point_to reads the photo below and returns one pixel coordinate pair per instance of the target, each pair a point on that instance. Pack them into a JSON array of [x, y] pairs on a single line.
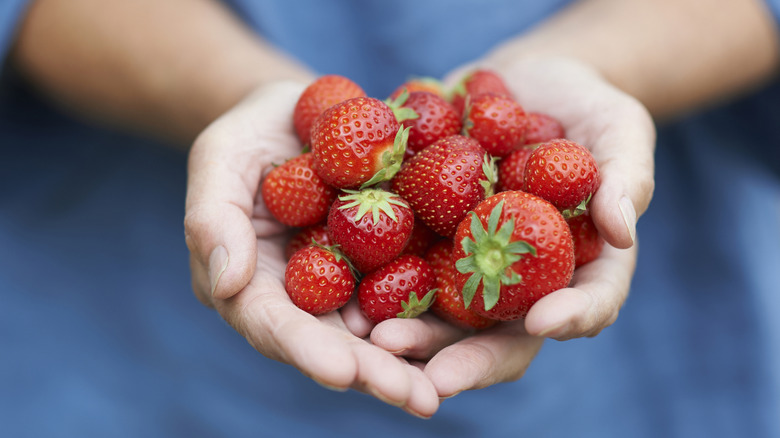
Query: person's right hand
[[237, 258]]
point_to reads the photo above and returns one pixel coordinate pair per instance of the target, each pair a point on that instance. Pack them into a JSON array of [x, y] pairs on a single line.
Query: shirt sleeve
[[11, 12]]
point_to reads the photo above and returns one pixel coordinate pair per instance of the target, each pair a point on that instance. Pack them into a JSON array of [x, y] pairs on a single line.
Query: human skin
[[603, 67]]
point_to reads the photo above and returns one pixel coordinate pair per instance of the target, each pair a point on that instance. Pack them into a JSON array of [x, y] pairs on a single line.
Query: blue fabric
[[10, 13], [774, 8], [100, 334]]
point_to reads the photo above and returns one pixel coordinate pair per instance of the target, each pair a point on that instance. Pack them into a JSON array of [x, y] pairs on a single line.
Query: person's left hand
[[621, 135]]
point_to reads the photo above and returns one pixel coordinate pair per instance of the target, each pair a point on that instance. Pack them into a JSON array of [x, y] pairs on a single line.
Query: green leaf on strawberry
[[397, 105], [391, 160], [416, 307], [489, 256], [490, 168], [373, 200]]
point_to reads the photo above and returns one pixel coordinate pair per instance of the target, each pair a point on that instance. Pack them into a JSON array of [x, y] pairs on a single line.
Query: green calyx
[[376, 201], [391, 160], [415, 307], [489, 257], [490, 169], [578, 210], [399, 111]]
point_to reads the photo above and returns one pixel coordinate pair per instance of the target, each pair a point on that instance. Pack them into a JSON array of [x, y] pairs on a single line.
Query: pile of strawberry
[[459, 201]]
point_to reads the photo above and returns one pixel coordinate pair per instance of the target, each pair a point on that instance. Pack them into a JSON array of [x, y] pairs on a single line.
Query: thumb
[[222, 244], [625, 156], [223, 214]]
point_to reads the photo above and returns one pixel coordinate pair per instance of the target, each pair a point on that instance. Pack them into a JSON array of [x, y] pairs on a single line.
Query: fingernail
[[555, 331], [373, 391], [418, 415], [331, 387], [629, 216], [449, 396], [218, 261]]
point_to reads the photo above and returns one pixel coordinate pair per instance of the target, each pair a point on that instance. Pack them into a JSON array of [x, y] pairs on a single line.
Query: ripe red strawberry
[[316, 233], [445, 180], [403, 288], [318, 280], [542, 127], [497, 122], [370, 240], [295, 195], [564, 173], [422, 239], [320, 95], [512, 250], [449, 301], [512, 168], [588, 243], [357, 143], [430, 85], [436, 119], [476, 83]]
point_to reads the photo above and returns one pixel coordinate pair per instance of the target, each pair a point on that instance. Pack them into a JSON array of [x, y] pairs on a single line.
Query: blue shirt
[[100, 334]]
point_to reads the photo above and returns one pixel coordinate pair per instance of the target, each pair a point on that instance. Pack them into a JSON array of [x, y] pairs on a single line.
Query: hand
[[238, 264], [621, 136]]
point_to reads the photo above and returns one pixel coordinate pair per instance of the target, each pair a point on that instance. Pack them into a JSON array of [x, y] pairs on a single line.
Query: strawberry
[[588, 243], [403, 288], [370, 240], [564, 173], [478, 82], [435, 119], [319, 280], [430, 85], [445, 180], [512, 168], [320, 95], [422, 238], [449, 301], [497, 122], [295, 195], [512, 250], [357, 143], [542, 127], [317, 233]]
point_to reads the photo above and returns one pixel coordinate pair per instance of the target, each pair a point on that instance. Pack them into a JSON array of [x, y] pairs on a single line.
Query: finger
[[281, 331], [320, 347], [500, 355], [199, 281], [225, 166], [598, 291], [381, 374], [624, 152], [354, 320], [416, 338], [423, 400]]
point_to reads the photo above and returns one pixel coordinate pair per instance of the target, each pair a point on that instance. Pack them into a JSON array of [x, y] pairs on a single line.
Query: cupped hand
[[238, 264], [621, 135]]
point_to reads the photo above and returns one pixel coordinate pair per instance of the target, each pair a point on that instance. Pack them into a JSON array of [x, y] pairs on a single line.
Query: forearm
[[673, 55], [166, 67]]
